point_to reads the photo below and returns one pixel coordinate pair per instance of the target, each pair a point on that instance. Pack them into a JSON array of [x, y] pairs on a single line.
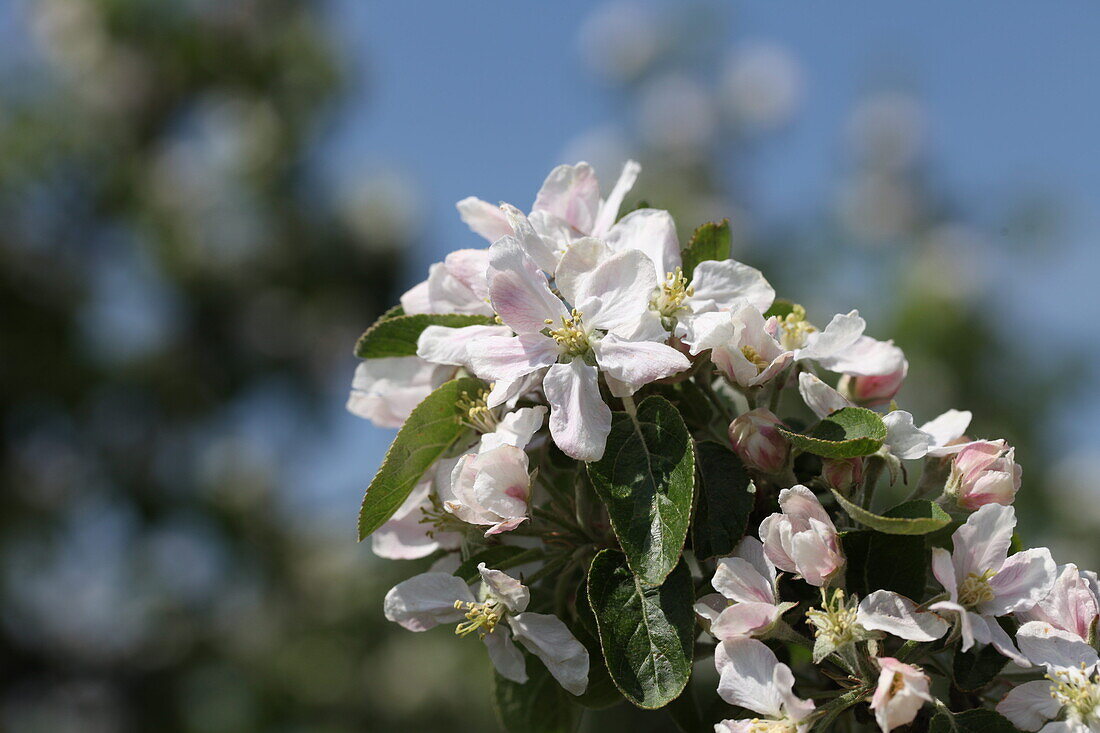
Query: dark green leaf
[[919, 516], [709, 242], [724, 501], [780, 309], [601, 692], [970, 721], [847, 433], [888, 562], [974, 669], [537, 706], [397, 335], [434, 425], [497, 557], [646, 632], [645, 479]]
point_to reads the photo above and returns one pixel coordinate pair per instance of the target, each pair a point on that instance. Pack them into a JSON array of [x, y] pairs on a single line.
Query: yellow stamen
[[571, 336], [674, 290], [476, 411], [481, 617], [975, 589], [1077, 692], [754, 356], [794, 328]]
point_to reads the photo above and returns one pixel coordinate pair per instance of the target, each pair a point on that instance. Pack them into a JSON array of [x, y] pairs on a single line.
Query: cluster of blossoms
[[590, 429]]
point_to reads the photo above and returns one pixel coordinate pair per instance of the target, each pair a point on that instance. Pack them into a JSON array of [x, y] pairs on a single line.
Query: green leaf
[[646, 632], [397, 335], [497, 557], [646, 479], [537, 706], [974, 669], [970, 721], [709, 242], [849, 432], [434, 425], [919, 516], [882, 561], [780, 309], [601, 692], [724, 501]]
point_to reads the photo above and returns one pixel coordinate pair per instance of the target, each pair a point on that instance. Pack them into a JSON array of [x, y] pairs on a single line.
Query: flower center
[[1077, 692], [758, 725], [794, 328], [835, 620], [674, 290], [975, 589], [571, 335], [481, 617], [755, 358], [475, 411]]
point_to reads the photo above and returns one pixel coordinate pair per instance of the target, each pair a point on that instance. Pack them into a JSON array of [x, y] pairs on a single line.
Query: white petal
[[579, 418], [506, 589], [385, 391], [903, 438], [651, 231], [838, 336], [1029, 705], [542, 252], [442, 345], [867, 357], [822, 399], [948, 427], [470, 267], [609, 209], [718, 285], [744, 619], [708, 607], [616, 293], [549, 639], [483, 218], [752, 550], [415, 300], [637, 363], [426, 600], [982, 543], [404, 536], [506, 359], [572, 193], [578, 260], [738, 580], [1002, 642], [1044, 644], [506, 657], [944, 570], [503, 485], [458, 496], [518, 290], [448, 294], [895, 614], [1022, 581], [516, 428], [746, 668]]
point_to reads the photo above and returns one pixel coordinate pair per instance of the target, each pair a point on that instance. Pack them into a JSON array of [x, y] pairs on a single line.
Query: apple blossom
[[497, 613], [802, 539], [749, 604], [844, 620], [901, 692], [750, 676], [410, 533], [1071, 605], [984, 472], [984, 582], [385, 391], [873, 371], [740, 345], [842, 473], [756, 440]]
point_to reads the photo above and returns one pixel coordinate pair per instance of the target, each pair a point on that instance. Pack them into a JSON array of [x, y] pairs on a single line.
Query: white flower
[[751, 677], [984, 582], [841, 622], [1071, 605], [456, 285], [740, 344], [749, 603], [901, 692], [385, 391], [496, 613], [410, 534], [802, 539], [609, 293]]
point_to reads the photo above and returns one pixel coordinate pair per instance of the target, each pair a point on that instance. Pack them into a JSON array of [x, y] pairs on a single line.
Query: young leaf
[[919, 516], [646, 632], [432, 427], [645, 479], [970, 721], [849, 432], [709, 242], [397, 335], [724, 501], [888, 562], [537, 706]]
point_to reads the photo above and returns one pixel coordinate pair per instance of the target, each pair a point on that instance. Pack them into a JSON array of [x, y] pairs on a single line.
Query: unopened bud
[[875, 390], [757, 441], [842, 473], [984, 472]]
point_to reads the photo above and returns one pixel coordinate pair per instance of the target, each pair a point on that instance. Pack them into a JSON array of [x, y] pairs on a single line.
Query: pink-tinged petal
[[542, 252], [895, 614], [736, 726], [502, 485], [579, 260], [1002, 642], [385, 391], [796, 709], [457, 495], [637, 363], [867, 357], [518, 290], [1070, 605], [982, 543], [579, 419], [709, 607], [609, 209], [506, 526], [1044, 644], [448, 294], [1029, 705], [505, 655], [469, 267], [504, 588], [416, 300], [549, 639], [751, 550], [509, 392], [571, 193], [404, 536], [744, 619], [615, 295], [719, 285], [556, 233], [426, 600], [738, 580], [838, 336], [947, 428], [822, 399], [1022, 581], [799, 502], [944, 570], [506, 359], [775, 531], [747, 676], [903, 438], [442, 345], [815, 553], [483, 218], [651, 231], [515, 428]]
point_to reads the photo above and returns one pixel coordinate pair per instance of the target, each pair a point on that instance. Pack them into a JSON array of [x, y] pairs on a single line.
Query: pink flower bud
[[842, 473], [984, 472], [874, 390], [901, 692], [801, 538], [758, 443]]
